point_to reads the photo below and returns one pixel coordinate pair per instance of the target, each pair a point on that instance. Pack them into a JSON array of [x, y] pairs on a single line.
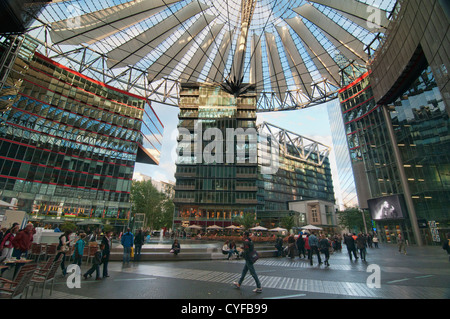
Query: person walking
[[375, 241], [22, 241], [301, 246], [138, 243], [401, 244], [62, 248], [307, 247], [351, 246], [279, 246], [6, 245], [127, 241], [107, 242], [361, 245], [291, 247], [324, 246], [79, 249], [98, 258], [248, 249], [314, 248]]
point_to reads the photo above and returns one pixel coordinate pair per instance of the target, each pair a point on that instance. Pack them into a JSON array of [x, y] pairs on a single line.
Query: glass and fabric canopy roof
[[291, 51]]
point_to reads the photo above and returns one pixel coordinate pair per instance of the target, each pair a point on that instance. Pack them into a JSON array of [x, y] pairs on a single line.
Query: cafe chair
[[18, 290], [46, 266], [37, 250], [91, 253], [44, 277], [6, 283], [51, 250]]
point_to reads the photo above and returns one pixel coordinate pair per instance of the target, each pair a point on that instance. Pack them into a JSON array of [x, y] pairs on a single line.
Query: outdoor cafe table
[[16, 262]]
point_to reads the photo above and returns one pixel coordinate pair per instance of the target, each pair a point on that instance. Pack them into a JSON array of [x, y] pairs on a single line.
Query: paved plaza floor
[[423, 273]]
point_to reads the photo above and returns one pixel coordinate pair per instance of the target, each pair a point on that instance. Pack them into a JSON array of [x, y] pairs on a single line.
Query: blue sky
[[311, 122]]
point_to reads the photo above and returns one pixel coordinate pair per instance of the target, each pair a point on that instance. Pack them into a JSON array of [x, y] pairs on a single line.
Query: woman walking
[[324, 247], [248, 249]]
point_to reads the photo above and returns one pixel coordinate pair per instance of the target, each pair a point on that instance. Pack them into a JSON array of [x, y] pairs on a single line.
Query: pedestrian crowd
[[309, 244]]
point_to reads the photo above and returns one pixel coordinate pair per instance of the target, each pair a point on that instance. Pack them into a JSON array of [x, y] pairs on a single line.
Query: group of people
[[15, 242], [306, 245], [79, 241], [229, 248]]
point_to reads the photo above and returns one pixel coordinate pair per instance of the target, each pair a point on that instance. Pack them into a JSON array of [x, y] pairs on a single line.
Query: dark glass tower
[[68, 143], [215, 184]]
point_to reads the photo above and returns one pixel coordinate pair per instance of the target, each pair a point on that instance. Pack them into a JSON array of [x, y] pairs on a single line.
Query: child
[[98, 259], [79, 249]]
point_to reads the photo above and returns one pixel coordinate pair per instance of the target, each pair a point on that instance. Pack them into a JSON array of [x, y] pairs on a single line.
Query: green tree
[[68, 226], [156, 206], [248, 220], [288, 222], [352, 218]]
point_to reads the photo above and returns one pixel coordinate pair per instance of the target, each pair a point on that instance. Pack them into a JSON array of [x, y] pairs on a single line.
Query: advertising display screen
[[388, 207]]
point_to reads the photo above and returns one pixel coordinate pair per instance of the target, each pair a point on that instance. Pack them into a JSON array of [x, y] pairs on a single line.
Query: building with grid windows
[[302, 176], [287, 167], [214, 192], [69, 143], [397, 126]]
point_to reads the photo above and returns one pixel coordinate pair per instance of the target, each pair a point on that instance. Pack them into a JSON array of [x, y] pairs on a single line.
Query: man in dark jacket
[[351, 247], [127, 242], [314, 248], [98, 258], [248, 249], [301, 246], [22, 241], [361, 245], [107, 242]]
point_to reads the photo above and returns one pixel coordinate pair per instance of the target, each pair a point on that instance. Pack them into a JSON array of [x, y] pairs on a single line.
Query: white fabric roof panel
[[166, 62], [196, 64], [256, 65], [216, 72], [300, 73], [138, 47], [358, 12], [95, 26], [322, 59], [277, 77], [133, 43], [333, 29]]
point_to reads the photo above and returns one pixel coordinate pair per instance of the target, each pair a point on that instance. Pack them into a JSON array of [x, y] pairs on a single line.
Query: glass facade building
[[302, 173], [346, 194], [214, 191], [398, 130], [234, 181], [68, 143]]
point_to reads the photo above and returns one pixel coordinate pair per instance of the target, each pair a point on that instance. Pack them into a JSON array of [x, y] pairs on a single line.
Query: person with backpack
[[138, 243], [249, 250], [127, 242], [324, 247], [98, 259], [79, 250]]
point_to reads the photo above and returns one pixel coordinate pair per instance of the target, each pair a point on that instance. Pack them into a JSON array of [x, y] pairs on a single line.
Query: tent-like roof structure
[[292, 51]]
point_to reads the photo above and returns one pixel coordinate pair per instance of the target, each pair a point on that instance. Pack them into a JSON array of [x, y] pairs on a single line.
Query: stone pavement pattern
[[424, 273]]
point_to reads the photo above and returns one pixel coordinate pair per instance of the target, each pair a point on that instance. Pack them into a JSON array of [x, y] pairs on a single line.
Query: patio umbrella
[[214, 227], [258, 228], [195, 227], [311, 227], [233, 227], [5, 204], [278, 229], [87, 222]]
